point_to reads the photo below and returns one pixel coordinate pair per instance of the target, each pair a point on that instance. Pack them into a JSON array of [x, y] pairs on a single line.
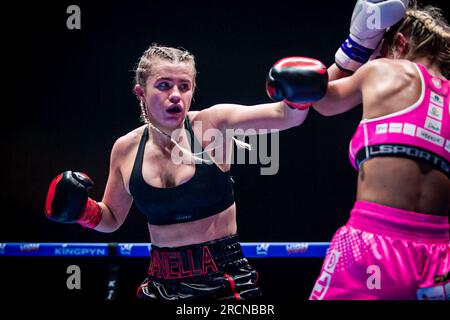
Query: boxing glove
[[68, 202], [370, 19], [298, 81]]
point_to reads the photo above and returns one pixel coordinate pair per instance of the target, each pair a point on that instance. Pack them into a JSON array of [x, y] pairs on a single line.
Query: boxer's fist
[[298, 81], [68, 202], [370, 19]]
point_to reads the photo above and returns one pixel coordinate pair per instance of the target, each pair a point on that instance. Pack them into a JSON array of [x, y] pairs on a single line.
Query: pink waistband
[[388, 221]]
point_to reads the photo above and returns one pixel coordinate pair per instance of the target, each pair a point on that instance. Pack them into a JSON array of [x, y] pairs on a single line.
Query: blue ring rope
[[139, 250]]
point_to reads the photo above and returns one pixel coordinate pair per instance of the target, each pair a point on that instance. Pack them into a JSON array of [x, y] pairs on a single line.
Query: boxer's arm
[[116, 202], [335, 73], [269, 116], [68, 198], [346, 93], [343, 95], [294, 82]]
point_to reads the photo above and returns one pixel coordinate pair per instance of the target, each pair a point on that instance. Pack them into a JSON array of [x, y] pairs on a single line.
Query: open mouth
[[174, 109]]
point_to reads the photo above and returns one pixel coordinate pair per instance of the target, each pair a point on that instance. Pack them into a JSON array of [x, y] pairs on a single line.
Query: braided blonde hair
[[429, 35], [144, 70], [150, 57]]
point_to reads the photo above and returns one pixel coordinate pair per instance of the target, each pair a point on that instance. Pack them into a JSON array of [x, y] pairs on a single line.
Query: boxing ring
[[115, 252]]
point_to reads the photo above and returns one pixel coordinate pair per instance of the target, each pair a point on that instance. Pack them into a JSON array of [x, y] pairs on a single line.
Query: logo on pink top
[[437, 83], [437, 99], [435, 112], [433, 125]]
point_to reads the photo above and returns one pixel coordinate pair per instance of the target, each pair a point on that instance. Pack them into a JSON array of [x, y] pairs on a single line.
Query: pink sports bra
[[420, 131]]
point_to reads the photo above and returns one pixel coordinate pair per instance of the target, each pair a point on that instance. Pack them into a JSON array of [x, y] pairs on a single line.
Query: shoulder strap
[[137, 167], [193, 142]]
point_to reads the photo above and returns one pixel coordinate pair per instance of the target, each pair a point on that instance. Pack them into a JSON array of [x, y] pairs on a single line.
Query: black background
[[69, 97]]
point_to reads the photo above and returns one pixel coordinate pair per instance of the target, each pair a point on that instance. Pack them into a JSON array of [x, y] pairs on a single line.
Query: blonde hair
[[150, 57], [144, 69], [429, 34]]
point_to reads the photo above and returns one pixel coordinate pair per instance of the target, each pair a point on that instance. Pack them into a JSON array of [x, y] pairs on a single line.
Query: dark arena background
[[69, 97]]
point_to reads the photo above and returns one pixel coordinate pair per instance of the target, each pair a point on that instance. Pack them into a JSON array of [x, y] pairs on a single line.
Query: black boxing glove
[[298, 81], [68, 202]]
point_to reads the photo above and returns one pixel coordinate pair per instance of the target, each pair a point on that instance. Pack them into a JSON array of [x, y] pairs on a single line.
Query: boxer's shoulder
[[125, 144]]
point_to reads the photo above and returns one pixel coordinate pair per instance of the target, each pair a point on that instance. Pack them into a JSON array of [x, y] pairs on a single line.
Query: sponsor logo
[[64, 251], [381, 128], [436, 82], [409, 129], [183, 217], [297, 247], [411, 152], [29, 247], [437, 99], [126, 249], [434, 111], [433, 125], [321, 286], [323, 282], [332, 261], [395, 127], [262, 249], [430, 137]]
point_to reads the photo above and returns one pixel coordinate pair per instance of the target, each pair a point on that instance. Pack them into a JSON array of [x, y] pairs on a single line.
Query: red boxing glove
[[68, 202], [298, 81]]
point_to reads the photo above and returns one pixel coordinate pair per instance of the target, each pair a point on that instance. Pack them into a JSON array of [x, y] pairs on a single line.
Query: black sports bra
[[208, 192]]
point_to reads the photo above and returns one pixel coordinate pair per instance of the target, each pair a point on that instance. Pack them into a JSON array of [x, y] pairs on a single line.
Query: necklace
[[160, 131], [191, 154]]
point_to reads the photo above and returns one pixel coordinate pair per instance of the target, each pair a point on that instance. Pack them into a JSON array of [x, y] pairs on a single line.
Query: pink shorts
[[387, 253]]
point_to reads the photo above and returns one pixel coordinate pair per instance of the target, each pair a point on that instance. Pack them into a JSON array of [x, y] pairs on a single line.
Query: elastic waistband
[[195, 260], [388, 221]]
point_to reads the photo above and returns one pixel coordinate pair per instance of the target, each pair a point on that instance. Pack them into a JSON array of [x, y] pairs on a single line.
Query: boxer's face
[[168, 93]]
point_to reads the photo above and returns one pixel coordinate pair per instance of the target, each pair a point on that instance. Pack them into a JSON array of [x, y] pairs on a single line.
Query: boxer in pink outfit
[[395, 244]]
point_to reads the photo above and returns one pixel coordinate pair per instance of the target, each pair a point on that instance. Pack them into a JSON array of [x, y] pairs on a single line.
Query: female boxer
[[395, 244], [168, 168]]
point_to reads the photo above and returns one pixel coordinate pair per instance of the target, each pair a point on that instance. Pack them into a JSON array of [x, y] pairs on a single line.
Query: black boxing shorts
[[214, 270]]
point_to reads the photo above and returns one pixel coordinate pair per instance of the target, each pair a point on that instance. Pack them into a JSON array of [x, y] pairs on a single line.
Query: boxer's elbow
[[325, 108], [300, 117], [332, 104], [324, 111]]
